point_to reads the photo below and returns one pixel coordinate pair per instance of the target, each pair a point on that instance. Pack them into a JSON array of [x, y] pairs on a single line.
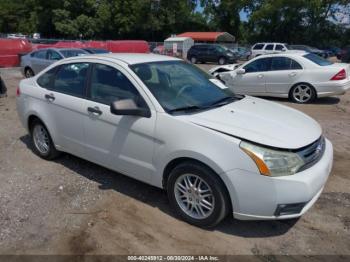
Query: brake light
[[18, 92], [341, 75]]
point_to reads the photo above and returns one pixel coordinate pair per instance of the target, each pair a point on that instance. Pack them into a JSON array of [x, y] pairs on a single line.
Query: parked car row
[[270, 48], [38, 60], [300, 76], [167, 123], [345, 55]]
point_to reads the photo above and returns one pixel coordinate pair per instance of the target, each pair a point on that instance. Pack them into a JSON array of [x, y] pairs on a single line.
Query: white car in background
[[167, 123], [267, 48], [302, 77]]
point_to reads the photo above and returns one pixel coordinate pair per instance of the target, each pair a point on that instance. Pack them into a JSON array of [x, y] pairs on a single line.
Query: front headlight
[[273, 162]]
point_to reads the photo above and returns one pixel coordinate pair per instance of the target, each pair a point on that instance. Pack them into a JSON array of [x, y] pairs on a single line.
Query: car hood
[[260, 121]]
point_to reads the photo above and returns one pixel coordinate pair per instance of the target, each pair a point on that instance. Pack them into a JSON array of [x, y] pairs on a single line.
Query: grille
[[311, 154]]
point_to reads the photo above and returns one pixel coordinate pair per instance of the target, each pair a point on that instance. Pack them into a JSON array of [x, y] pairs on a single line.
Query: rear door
[[283, 74], [253, 81], [122, 143], [66, 100], [39, 61]]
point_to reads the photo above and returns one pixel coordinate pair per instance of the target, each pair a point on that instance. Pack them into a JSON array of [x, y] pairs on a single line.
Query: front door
[[122, 143]]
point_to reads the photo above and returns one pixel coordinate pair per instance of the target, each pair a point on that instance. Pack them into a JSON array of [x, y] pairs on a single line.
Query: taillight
[[18, 92], [341, 75]]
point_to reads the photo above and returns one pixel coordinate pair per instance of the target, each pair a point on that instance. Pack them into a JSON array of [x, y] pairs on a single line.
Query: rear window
[[279, 47], [317, 60], [258, 47]]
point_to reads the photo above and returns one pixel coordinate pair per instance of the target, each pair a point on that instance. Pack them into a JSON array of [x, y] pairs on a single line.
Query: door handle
[[94, 110], [293, 74], [50, 97], [260, 76]]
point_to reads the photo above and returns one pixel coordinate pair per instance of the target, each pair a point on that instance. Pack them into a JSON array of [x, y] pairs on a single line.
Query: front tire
[[42, 142], [222, 61], [197, 194], [302, 93]]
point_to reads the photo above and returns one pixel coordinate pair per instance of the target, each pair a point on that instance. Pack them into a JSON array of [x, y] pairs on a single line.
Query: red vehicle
[[128, 46], [10, 49]]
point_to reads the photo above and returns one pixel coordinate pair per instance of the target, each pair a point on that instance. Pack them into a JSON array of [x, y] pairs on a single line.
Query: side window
[[70, 79], [269, 47], [279, 47], [280, 63], [259, 65], [40, 54], [258, 46], [45, 80], [284, 63], [109, 84], [203, 49], [295, 65], [53, 55]]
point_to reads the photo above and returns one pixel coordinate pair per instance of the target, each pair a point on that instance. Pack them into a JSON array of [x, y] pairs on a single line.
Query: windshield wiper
[[223, 101], [186, 108]]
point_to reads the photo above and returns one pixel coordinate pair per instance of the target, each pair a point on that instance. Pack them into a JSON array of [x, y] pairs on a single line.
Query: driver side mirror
[[240, 71], [284, 49], [129, 107]]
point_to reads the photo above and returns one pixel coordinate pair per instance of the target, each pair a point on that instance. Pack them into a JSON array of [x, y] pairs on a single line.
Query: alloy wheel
[[302, 93], [194, 196], [41, 139], [222, 61]]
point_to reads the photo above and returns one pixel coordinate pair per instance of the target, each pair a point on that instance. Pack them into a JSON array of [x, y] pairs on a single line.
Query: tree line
[[313, 22]]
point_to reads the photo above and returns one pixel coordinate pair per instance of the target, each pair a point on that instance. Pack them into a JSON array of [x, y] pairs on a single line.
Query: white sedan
[[299, 76], [167, 123]]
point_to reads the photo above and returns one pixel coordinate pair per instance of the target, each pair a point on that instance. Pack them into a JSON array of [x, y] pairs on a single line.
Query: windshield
[[179, 86], [221, 48], [318, 60], [99, 51]]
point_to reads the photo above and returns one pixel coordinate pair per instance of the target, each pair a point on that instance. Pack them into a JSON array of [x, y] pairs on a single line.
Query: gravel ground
[[71, 206]]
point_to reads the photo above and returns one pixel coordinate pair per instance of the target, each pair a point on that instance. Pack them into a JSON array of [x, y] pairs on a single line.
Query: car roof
[[130, 58], [271, 43], [288, 53], [57, 49]]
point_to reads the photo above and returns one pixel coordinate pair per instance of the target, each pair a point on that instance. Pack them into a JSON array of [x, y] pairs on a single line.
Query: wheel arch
[[177, 161], [31, 118], [28, 67]]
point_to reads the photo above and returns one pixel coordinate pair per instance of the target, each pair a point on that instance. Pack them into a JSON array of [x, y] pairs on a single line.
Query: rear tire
[[28, 72], [302, 93], [197, 194], [42, 142]]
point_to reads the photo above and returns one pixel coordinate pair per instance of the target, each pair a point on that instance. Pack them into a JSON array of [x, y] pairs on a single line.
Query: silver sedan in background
[[38, 60]]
